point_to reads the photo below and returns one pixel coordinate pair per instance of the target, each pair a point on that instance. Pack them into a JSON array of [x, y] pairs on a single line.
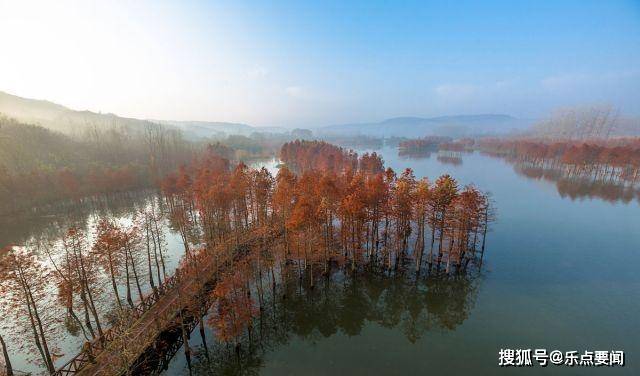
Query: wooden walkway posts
[[155, 312]]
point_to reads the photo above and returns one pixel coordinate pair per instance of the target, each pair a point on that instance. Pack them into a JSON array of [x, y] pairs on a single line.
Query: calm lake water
[[560, 272], [48, 228]]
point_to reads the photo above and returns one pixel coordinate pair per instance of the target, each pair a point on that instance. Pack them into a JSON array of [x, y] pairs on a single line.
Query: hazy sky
[[299, 64]]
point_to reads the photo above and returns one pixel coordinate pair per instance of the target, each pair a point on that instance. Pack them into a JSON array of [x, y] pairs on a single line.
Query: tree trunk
[[43, 339], [151, 282], [75, 317], [36, 338], [135, 275], [484, 237], [94, 310], [7, 361], [159, 241], [85, 306], [128, 278], [155, 258], [114, 285], [85, 281]]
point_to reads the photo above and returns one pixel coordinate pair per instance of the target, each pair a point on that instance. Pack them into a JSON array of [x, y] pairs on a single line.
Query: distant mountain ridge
[[213, 128], [454, 125], [72, 122], [60, 118]]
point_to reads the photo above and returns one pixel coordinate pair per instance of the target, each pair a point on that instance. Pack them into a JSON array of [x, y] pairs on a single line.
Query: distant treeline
[[254, 146], [40, 167], [301, 155], [356, 142], [579, 188], [429, 143], [615, 159], [446, 146]]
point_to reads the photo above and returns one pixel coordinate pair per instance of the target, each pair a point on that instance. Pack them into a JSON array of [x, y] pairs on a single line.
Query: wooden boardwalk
[[122, 344]]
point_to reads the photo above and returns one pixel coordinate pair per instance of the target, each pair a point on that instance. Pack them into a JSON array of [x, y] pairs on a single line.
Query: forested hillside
[[80, 124], [62, 119], [39, 166]]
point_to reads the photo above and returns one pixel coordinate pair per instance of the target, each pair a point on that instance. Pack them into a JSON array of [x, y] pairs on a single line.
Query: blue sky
[[307, 64]]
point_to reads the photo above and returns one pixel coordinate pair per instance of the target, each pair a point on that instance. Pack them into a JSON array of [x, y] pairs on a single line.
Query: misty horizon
[[300, 66]]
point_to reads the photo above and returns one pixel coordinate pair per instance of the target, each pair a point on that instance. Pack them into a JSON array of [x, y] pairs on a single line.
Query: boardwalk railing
[[91, 349], [200, 259]]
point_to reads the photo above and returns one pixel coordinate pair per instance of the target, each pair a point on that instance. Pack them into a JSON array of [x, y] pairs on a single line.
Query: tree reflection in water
[[52, 222], [581, 187], [422, 154], [341, 304]]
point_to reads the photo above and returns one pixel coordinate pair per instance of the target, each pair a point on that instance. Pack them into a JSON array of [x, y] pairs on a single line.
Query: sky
[[292, 63]]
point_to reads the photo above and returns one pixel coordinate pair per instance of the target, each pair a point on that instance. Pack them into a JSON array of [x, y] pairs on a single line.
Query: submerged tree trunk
[[85, 306], [94, 311], [36, 337], [114, 285], [40, 331], [128, 279], [159, 242], [7, 361], [151, 281], [441, 241], [203, 336], [85, 282], [75, 318], [135, 274], [433, 239], [484, 237], [45, 345], [36, 323]]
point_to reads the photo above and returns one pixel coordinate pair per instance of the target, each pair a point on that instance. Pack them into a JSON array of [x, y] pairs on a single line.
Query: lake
[[560, 272]]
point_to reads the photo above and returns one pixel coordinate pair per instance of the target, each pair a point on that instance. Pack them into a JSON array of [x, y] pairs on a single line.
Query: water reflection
[[43, 232], [443, 156], [50, 224], [572, 187], [580, 187], [423, 154], [449, 159], [341, 305]]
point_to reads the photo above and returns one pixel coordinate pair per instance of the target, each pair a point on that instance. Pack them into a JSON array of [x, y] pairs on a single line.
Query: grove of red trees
[[325, 207], [614, 160], [337, 208], [421, 146], [78, 282], [336, 205], [40, 167]]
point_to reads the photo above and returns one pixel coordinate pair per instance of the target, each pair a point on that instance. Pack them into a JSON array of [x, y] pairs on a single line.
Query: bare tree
[[579, 123]]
